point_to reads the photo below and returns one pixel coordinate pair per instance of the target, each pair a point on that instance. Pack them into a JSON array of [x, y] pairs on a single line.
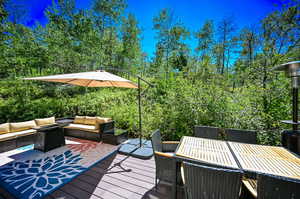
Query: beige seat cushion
[[23, 133], [21, 126], [4, 128], [90, 120], [84, 127], [101, 120], [45, 121], [79, 120], [9, 136]]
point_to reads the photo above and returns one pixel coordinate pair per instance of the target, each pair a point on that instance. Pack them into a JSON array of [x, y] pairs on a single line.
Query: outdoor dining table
[[250, 158], [274, 160]]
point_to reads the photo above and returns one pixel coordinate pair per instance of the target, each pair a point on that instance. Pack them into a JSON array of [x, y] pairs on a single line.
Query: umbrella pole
[[140, 110], [140, 104]]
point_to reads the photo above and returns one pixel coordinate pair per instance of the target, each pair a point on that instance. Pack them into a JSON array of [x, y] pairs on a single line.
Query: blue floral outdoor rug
[[31, 174]]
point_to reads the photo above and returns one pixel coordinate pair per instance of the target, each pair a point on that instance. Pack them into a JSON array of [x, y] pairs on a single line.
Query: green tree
[[171, 35], [3, 12], [205, 37], [107, 15], [280, 40], [224, 48], [131, 53], [249, 43], [18, 11], [157, 63], [3, 17]]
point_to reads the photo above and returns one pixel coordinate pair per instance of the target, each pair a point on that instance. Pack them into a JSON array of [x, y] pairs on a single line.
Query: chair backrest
[[237, 135], [209, 182], [156, 141], [275, 187], [165, 166], [206, 132]]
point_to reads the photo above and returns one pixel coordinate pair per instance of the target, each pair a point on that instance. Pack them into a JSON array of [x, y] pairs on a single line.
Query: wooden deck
[[105, 181]]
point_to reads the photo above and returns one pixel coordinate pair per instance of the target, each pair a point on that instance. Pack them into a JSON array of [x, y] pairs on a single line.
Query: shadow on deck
[[102, 181]]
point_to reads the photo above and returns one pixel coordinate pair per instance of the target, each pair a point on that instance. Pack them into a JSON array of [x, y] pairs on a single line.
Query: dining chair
[[208, 182], [163, 155], [276, 187], [249, 188], [207, 132], [238, 135]]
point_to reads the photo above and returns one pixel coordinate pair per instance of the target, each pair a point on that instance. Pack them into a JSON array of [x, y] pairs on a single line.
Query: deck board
[[100, 182], [133, 175], [127, 179], [101, 190], [124, 184], [60, 194]]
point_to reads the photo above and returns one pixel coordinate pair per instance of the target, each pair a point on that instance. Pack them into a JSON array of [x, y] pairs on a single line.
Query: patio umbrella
[[102, 79], [89, 79]]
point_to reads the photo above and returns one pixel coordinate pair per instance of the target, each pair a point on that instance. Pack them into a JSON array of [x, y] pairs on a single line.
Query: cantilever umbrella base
[[132, 148]]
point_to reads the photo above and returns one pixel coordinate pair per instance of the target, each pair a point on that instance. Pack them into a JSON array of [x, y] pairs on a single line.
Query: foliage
[[227, 81], [171, 35], [174, 105]]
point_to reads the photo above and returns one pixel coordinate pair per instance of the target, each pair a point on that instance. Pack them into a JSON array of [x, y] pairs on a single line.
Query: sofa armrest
[[108, 126]]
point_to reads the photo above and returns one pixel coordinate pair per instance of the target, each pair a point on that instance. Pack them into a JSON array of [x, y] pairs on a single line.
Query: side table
[[49, 137]]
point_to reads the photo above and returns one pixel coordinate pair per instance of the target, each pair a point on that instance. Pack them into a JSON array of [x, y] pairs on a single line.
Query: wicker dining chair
[[163, 155], [207, 132], [276, 187], [237, 135], [207, 182], [249, 188]]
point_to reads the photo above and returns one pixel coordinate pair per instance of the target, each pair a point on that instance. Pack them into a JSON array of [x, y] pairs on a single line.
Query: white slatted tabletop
[[267, 159], [206, 150]]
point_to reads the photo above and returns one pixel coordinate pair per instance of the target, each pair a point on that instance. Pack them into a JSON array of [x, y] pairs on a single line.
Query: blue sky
[[192, 13]]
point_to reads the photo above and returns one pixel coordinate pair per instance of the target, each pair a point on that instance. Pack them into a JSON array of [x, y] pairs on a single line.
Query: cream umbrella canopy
[[89, 79]]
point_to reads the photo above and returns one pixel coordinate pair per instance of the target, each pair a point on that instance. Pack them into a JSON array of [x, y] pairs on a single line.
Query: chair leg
[[245, 194], [155, 182]]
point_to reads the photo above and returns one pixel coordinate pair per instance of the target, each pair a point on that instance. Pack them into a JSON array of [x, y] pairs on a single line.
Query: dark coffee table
[[49, 137]]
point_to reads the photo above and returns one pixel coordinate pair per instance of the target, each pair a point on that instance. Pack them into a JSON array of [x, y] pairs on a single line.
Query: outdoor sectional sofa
[[18, 134], [90, 128]]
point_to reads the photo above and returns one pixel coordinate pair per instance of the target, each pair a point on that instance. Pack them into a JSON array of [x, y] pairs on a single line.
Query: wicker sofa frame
[[28, 139], [84, 134], [17, 142]]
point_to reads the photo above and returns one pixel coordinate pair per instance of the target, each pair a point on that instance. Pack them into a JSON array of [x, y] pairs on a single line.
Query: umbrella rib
[[87, 85], [112, 84], [69, 81]]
